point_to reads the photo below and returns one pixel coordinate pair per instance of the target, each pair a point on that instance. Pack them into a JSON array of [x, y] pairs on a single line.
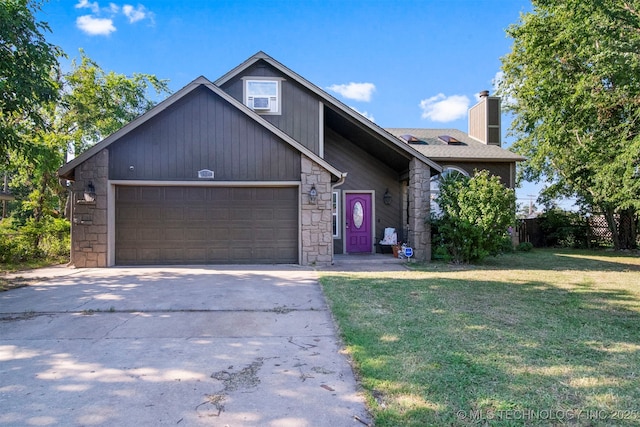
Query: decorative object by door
[[358, 223]]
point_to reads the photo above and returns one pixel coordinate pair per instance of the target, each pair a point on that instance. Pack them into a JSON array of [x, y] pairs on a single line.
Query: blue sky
[[401, 63]]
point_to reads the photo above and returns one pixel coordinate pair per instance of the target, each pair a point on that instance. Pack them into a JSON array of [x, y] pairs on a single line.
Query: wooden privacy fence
[[594, 230]]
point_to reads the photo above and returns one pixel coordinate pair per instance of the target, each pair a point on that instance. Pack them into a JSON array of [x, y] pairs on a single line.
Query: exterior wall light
[[313, 194], [387, 197], [90, 192]]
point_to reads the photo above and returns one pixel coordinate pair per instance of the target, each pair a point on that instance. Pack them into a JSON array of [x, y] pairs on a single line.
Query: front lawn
[[539, 338]]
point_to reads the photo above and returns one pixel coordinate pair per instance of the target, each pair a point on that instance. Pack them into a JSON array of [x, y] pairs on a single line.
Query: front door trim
[[343, 215]]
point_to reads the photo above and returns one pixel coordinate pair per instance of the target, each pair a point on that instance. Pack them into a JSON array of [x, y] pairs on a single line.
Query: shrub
[[563, 229], [475, 216], [48, 238], [524, 247]]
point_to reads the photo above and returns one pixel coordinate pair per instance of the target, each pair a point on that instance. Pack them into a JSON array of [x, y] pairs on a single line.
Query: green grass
[[5, 268], [539, 338]]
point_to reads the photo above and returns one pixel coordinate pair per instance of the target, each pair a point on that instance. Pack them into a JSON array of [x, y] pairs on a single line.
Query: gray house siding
[[366, 173], [202, 131], [300, 109], [501, 169]]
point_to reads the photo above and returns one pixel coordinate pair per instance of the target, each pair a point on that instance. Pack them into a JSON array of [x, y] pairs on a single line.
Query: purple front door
[[358, 223]]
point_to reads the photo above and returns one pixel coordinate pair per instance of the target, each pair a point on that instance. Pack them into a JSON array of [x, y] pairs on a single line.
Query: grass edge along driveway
[[541, 338]]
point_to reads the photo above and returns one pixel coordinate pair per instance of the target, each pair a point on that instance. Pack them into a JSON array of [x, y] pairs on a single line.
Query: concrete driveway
[[214, 346]]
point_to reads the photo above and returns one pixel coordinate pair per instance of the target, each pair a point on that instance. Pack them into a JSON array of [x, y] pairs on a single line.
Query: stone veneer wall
[[316, 222], [89, 219], [419, 206]]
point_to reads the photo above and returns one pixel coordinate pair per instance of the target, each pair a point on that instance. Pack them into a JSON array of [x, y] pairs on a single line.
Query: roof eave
[[66, 170], [478, 159], [336, 103]]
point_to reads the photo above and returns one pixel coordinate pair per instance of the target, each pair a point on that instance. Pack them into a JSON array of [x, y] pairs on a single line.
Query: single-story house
[[258, 166]]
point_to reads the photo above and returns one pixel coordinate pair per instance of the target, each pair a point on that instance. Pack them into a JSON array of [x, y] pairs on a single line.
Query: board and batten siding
[[365, 173], [202, 131], [299, 108]]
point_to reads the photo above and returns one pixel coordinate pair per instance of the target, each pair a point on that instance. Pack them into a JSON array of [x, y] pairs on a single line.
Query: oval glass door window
[[358, 214]]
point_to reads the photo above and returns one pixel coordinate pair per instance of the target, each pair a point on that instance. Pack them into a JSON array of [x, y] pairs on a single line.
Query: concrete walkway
[[186, 346]]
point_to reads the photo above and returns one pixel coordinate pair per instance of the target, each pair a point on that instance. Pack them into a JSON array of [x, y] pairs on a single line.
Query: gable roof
[[332, 102], [469, 148], [66, 170]]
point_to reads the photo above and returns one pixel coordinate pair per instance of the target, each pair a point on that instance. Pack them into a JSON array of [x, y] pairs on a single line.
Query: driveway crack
[[119, 325]]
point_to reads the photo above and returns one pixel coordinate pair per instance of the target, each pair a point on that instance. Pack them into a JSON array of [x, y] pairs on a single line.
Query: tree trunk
[[628, 229]]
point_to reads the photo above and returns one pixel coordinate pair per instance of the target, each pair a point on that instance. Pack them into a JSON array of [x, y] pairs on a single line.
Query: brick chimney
[[484, 120]]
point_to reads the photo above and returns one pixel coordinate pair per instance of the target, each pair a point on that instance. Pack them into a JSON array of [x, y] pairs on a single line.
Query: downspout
[[340, 181]]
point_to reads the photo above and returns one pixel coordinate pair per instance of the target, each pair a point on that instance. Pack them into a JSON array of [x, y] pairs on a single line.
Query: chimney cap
[[484, 93]]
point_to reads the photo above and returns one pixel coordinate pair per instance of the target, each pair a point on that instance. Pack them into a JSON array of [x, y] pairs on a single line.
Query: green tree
[[27, 64], [572, 81], [475, 216], [92, 104], [96, 103]]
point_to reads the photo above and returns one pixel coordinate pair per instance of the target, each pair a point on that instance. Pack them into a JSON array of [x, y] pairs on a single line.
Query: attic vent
[[450, 140], [205, 174], [412, 139]]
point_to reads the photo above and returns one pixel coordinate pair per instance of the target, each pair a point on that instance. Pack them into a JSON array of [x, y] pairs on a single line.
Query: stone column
[[89, 218], [419, 207], [316, 221]]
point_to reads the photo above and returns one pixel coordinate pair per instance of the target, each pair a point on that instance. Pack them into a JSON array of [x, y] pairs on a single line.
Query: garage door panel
[[267, 194], [195, 225], [264, 214], [173, 213], [239, 194], [193, 213], [127, 194], [127, 213], [149, 254], [126, 234], [196, 234], [195, 194], [150, 193], [149, 233], [174, 255], [219, 213], [196, 255], [174, 234], [174, 194]]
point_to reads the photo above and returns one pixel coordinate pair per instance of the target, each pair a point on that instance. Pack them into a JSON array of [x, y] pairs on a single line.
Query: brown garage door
[[206, 225]]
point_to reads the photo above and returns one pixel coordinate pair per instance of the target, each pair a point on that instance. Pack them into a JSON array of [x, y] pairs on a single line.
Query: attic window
[[450, 140], [262, 95], [412, 139]]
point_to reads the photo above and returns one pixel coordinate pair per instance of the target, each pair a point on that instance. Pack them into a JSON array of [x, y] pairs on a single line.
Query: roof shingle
[[468, 149]]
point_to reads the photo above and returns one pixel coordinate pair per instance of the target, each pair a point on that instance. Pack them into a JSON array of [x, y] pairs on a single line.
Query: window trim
[[335, 213], [433, 193], [245, 93]]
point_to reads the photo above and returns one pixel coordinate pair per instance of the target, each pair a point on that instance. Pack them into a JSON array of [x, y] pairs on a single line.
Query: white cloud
[[95, 26], [355, 91], [134, 14], [114, 8], [364, 113], [441, 108], [84, 4]]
